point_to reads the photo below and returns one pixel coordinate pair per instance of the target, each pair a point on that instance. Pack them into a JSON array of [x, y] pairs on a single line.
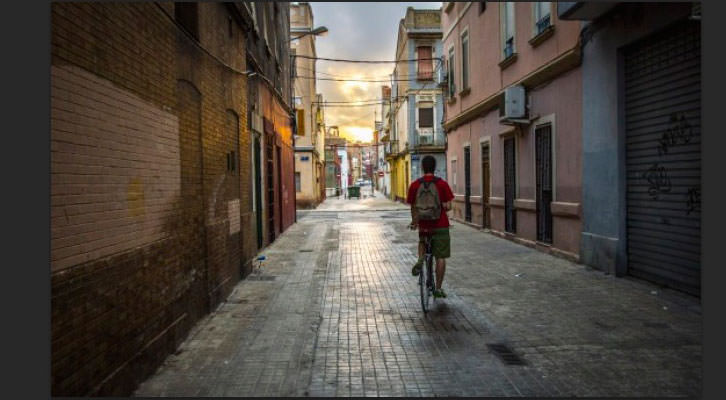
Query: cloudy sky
[[359, 31]]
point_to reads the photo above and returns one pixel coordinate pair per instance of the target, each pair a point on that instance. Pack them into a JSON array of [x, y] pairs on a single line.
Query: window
[[425, 63], [465, 60], [453, 174], [293, 53], [301, 122], [426, 117], [186, 15], [507, 10], [541, 16], [231, 161], [452, 85], [297, 182]]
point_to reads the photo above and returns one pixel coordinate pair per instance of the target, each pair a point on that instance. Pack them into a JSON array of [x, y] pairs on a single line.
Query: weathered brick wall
[[146, 216]]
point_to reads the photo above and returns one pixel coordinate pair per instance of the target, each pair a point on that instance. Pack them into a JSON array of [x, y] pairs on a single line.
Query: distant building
[[417, 102], [310, 134], [334, 163], [385, 139]]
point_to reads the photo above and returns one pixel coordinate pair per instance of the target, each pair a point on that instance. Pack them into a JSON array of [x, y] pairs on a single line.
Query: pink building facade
[[517, 175]]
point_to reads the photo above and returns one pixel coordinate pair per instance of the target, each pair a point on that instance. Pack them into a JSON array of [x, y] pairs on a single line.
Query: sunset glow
[[363, 134]]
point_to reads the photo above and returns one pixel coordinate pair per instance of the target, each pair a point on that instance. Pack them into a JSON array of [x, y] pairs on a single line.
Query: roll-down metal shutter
[[663, 156]]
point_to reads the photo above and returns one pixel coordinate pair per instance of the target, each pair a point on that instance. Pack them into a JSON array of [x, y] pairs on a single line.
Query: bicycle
[[426, 278]]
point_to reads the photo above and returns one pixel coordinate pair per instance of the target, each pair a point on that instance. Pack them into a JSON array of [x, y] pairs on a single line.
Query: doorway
[[485, 184], [510, 216], [279, 188], [543, 139], [467, 184], [270, 172], [258, 191]]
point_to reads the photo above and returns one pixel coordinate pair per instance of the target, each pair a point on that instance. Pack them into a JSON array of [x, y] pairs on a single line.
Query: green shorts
[[440, 243]]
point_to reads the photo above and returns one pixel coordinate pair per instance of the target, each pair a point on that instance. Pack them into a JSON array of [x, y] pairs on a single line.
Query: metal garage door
[[663, 155]]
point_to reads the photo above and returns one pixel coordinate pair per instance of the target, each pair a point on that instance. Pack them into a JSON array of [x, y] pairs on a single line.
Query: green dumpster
[[353, 191]]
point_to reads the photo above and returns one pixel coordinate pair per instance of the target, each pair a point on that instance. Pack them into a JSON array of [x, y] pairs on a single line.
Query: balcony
[[428, 139], [391, 147]]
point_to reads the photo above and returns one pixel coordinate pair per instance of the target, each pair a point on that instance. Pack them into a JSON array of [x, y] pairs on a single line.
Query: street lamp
[[319, 31]]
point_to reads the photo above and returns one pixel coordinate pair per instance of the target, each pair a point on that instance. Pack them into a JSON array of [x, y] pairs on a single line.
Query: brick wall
[[148, 222]]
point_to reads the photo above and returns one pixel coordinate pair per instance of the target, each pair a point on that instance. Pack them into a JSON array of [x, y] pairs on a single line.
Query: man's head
[[428, 164]]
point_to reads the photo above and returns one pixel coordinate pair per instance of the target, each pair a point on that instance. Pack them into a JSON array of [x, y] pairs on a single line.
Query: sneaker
[[439, 293], [417, 268]]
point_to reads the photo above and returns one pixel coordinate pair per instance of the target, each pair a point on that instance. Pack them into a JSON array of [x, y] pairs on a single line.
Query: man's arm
[[414, 216]]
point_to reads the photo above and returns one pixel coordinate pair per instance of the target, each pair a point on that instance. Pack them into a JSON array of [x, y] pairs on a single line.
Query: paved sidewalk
[[335, 312]]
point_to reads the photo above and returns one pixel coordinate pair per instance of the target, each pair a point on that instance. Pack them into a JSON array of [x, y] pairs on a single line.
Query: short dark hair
[[428, 164]]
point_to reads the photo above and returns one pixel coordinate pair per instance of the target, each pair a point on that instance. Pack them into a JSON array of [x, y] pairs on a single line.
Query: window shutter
[[301, 122], [425, 70], [425, 117]]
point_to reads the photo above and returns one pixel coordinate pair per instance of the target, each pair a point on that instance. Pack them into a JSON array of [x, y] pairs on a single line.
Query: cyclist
[[438, 228]]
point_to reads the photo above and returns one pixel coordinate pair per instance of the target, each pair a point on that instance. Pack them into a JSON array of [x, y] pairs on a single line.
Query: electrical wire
[[359, 80], [387, 77], [364, 61], [217, 59]]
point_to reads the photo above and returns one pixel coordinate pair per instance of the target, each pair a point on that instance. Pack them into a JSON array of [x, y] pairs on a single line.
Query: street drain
[[262, 278], [505, 354], [603, 326], [305, 250]]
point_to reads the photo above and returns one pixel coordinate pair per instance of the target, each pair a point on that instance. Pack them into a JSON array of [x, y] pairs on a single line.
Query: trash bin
[[354, 191]]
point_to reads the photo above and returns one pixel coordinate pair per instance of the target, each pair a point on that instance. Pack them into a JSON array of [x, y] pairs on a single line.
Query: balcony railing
[[391, 147], [429, 139]]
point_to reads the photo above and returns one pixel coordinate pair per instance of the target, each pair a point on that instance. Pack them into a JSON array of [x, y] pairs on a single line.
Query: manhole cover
[[505, 354]]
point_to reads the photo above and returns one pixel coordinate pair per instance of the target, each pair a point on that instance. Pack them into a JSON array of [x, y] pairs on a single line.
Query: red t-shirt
[[445, 195]]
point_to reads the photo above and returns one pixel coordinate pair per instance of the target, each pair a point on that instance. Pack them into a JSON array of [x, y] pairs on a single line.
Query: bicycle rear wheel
[[424, 282]]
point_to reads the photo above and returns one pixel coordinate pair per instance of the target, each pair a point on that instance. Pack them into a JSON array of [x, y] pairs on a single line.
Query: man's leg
[[442, 251], [440, 270], [417, 267]]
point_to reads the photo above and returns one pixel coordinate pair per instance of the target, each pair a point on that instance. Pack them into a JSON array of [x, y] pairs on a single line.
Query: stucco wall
[[485, 76], [603, 168], [558, 102]]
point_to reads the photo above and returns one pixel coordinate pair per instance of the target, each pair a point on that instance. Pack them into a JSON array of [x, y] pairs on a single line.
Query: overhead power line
[[363, 61], [360, 80], [387, 77]]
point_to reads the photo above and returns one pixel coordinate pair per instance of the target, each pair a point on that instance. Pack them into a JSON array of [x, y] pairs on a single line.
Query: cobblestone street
[[334, 311]]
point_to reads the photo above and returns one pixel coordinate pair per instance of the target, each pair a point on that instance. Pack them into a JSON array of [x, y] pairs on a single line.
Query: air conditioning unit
[[442, 77], [514, 102]]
